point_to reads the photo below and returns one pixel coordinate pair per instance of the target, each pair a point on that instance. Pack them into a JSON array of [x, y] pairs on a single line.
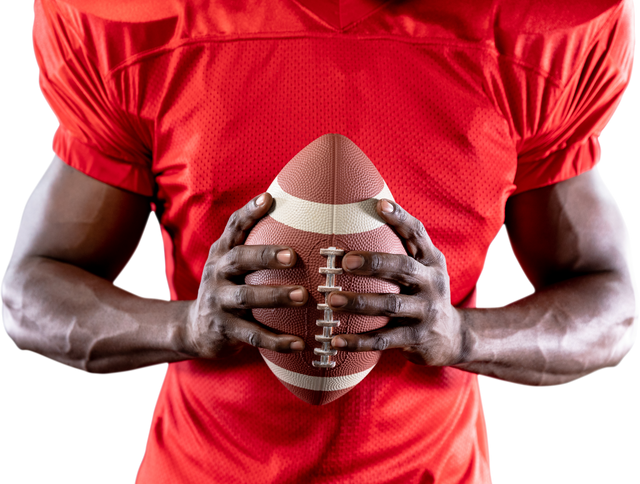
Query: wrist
[[179, 340], [465, 336]]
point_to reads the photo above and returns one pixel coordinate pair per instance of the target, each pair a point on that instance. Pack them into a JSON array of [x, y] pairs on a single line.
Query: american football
[[324, 206]]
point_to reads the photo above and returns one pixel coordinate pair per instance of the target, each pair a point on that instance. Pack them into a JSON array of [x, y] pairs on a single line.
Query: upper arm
[[76, 219], [563, 230]]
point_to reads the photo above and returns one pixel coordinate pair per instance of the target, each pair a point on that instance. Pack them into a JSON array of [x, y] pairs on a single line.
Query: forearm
[[82, 320], [556, 335]]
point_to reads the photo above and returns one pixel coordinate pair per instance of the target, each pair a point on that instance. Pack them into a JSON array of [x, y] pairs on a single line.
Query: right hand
[[220, 320]]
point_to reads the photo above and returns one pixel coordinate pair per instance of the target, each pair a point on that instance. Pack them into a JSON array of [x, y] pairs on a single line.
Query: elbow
[[10, 326], [17, 313], [11, 309], [629, 325], [621, 335], [628, 330], [27, 324]]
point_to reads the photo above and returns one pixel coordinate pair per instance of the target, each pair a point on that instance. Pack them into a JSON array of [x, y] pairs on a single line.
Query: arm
[[76, 236], [570, 241]]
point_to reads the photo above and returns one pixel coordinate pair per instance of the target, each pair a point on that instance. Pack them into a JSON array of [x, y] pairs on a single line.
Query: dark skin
[[77, 234]]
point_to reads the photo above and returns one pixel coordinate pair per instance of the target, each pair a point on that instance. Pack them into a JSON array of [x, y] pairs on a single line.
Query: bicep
[[567, 229], [78, 220]]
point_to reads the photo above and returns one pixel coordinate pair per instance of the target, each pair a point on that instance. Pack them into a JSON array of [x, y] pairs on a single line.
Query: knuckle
[[212, 335], [436, 258], [414, 335], [380, 343], [358, 303], [219, 332], [246, 209], [208, 272], [241, 297], [441, 284], [417, 230], [402, 215], [392, 305], [246, 218], [234, 220], [410, 266], [260, 339], [376, 262], [210, 299], [265, 256], [233, 257], [230, 227], [254, 338], [213, 250]]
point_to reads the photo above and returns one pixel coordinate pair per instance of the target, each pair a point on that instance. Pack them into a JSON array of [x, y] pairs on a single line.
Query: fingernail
[[338, 342], [284, 256], [386, 206], [260, 200], [297, 345], [338, 300], [296, 295], [352, 262]]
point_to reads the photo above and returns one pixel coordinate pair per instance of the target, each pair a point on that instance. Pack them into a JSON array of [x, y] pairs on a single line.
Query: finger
[[247, 258], [391, 305], [256, 335], [398, 268], [398, 337], [250, 297], [241, 222], [412, 230]]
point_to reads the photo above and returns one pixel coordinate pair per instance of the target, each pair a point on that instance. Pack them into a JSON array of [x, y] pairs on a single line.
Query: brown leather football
[[324, 206]]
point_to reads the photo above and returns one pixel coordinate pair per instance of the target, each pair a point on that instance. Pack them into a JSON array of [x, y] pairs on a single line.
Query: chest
[[230, 115]]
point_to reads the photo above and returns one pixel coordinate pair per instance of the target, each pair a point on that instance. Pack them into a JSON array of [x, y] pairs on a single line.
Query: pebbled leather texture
[[336, 177]]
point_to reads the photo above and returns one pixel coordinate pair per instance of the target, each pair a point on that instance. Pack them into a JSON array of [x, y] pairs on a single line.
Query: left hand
[[422, 320]]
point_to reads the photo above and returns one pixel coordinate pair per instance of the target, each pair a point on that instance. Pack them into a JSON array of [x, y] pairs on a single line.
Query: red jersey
[[199, 105]]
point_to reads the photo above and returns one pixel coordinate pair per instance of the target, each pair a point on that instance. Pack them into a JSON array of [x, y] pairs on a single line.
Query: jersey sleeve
[[565, 141], [95, 135]]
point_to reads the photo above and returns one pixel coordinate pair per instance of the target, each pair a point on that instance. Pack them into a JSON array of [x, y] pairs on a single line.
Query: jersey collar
[[340, 14]]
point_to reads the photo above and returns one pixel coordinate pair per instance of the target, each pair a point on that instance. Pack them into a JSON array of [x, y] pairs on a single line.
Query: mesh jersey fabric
[[199, 105]]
